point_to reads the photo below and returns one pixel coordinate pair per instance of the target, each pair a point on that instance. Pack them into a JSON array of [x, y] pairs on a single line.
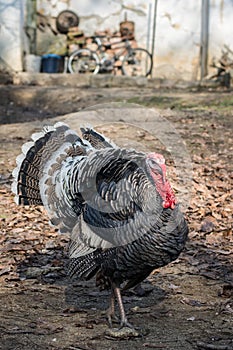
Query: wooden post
[[204, 37], [31, 25], [153, 32], [148, 32]]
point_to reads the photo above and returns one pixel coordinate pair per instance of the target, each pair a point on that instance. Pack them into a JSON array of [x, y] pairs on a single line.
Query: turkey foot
[[125, 330], [125, 323]]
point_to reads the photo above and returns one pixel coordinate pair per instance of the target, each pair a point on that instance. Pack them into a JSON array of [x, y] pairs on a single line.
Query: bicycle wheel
[[83, 61], [138, 62]]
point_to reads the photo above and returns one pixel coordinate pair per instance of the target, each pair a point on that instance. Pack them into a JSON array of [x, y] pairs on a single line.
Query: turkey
[[116, 204]]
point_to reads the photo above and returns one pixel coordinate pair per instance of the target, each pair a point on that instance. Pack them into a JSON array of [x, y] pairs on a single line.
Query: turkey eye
[[155, 167], [152, 163]]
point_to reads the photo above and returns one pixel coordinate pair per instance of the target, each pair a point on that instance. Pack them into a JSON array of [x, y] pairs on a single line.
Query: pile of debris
[[68, 23], [224, 67]]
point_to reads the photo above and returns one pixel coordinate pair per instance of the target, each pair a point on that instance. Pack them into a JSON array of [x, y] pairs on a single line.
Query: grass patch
[[223, 103], [164, 102]]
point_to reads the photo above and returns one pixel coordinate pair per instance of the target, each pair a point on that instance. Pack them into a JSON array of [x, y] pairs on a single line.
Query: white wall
[[177, 39], [221, 26], [11, 24], [177, 44]]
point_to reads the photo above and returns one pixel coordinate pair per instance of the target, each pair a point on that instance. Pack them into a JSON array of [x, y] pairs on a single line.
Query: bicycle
[[131, 61]]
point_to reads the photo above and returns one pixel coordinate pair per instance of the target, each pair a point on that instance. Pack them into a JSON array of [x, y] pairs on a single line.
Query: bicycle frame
[[101, 51]]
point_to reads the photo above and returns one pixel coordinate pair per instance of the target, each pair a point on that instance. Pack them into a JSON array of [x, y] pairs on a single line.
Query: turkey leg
[[124, 321], [111, 310]]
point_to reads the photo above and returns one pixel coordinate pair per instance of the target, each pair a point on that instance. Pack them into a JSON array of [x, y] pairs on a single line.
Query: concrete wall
[[177, 44], [221, 18], [177, 39], [11, 34]]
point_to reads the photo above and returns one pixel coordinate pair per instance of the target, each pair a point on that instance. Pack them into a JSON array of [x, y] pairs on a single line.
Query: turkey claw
[[111, 318], [125, 323]]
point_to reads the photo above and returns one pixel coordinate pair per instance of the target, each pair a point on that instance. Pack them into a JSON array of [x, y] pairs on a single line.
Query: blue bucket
[[50, 63]]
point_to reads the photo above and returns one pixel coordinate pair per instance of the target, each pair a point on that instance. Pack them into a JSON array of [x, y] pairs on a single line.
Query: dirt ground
[[188, 304]]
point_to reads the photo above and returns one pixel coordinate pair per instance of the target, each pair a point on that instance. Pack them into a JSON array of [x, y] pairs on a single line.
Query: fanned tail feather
[[28, 170], [97, 140], [31, 163]]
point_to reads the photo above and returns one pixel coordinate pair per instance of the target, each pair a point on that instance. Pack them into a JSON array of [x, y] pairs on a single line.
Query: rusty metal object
[[66, 20], [224, 67], [127, 28]]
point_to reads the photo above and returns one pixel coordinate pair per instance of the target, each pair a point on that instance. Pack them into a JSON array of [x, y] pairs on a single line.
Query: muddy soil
[[188, 304]]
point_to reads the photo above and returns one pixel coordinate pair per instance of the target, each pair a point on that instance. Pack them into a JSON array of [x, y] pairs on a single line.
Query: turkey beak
[[160, 171]]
